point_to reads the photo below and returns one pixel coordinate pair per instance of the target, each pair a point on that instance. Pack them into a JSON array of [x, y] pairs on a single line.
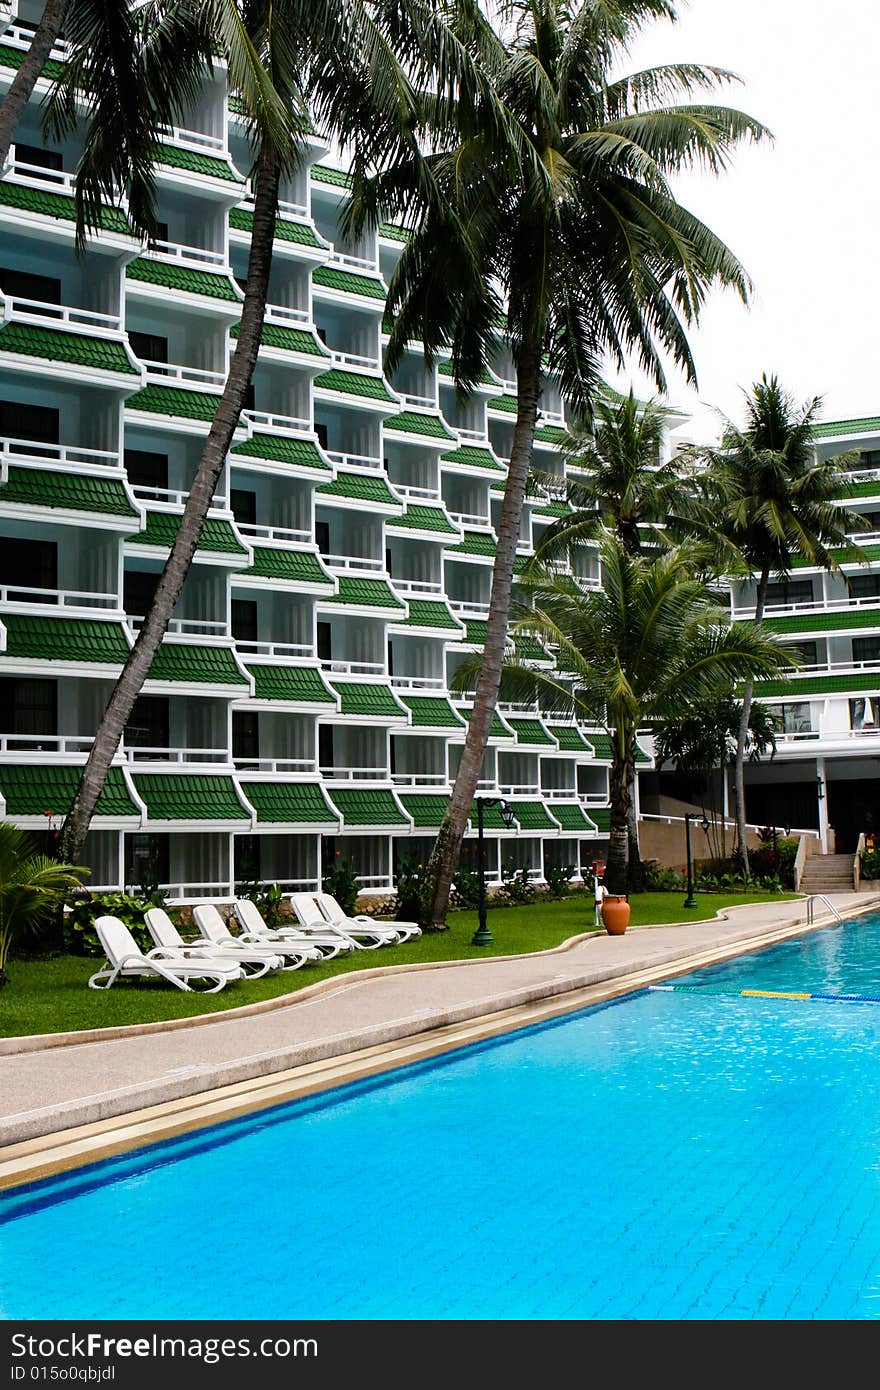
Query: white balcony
[[417, 402], [420, 779], [354, 774], [355, 359], [287, 424], [837, 605], [284, 315], [36, 311], [284, 535], [21, 36], [37, 176], [180, 254], [193, 140], [473, 436], [277, 765], [354, 262], [173, 497], [285, 207], [186, 627], [354, 460], [417, 586], [519, 789], [286, 651], [353, 562], [46, 746], [471, 519], [469, 610], [418, 682], [30, 453], [73, 601], [176, 756], [416, 493], [352, 668], [170, 371]]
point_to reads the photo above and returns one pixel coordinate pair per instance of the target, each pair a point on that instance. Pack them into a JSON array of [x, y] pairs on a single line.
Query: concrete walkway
[[51, 1084]]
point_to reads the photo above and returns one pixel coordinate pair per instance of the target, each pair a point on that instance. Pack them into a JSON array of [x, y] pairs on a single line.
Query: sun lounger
[[290, 955], [329, 940], [254, 961], [362, 938], [330, 909], [125, 960]]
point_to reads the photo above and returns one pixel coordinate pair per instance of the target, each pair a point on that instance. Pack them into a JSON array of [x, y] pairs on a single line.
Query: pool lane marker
[[766, 994]]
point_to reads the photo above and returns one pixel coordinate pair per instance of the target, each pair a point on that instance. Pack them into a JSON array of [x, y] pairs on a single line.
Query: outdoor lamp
[[704, 824], [506, 813]]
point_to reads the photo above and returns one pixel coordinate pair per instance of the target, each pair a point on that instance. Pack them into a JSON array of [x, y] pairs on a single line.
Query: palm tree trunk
[[635, 870], [742, 737], [25, 79], [220, 435], [618, 838], [444, 855]]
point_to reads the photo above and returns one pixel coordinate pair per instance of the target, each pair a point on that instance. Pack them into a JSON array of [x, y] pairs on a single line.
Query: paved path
[[45, 1089]]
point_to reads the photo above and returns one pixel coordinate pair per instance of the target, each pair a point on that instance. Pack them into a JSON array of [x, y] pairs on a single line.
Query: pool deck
[[68, 1099]]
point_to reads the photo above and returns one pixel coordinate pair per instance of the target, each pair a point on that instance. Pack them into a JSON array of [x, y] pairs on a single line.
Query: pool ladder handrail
[[820, 898]]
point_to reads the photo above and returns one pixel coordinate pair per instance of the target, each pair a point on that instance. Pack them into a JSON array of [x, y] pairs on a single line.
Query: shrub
[[871, 864], [516, 887], [80, 937], [466, 888], [408, 883], [661, 880], [763, 863], [557, 876], [340, 881]]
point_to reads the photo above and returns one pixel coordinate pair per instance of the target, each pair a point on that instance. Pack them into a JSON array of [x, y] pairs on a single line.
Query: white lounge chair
[[125, 960], [215, 932], [254, 962], [330, 909], [329, 941], [311, 918]]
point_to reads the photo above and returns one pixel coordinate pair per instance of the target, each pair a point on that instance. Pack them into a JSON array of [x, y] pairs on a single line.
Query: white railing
[[172, 496], [179, 251], [596, 799], [472, 610], [353, 460], [353, 668], [354, 359], [405, 490], [863, 475], [797, 736], [293, 424], [354, 774], [418, 682], [285, 650], [192, 139], [285, 207], [724, 820], [288, 535], [54, 744], [26, 596], [836, 605], [379, 882], [519, 789], [143, 754], [36, 310], [417, 586], [354, 262], [276, 765], [418, 402], [518, 706], [550, 417], [186, 626], [508, 386], [470, 519], [176, 893], [168, 371], [487, 784], [477, 436], [20, 36], [419, 779], [820, 667], [352, 562], [283, 314], [37, 174]]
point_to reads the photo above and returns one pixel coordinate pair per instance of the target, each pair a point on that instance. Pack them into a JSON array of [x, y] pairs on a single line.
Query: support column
[[822, 803]]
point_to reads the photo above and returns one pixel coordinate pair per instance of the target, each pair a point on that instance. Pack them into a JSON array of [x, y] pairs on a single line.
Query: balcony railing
[[308, 765], [469, 610], [417, 586], [285, 207], [137, 753], [834, 605], [178, 251], [375, 882], [287, 651], [285, 535], [405, 490], [355, 359], [186, 627], [519, 788], [354, 774], [25, 596], [21, 36], [173, 497], [37, 311], [353, 668], [411, 400], [352, 562], [284, 314], [354, 262], [290, 424], [354, 460], [30, 453], [470, 519], [418, 682], [57, 179], [170, 371], [475, 436], [54, 745], [419, 779], [193, 139]]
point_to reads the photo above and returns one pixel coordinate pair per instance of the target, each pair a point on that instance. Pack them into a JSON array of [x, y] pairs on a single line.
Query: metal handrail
[[820, 898]]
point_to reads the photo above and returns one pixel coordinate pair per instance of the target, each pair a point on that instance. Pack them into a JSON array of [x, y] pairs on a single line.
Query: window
[[37, 422], [250, 397], [246, 858], [322, 536], [28, 706], [34, 154], [26, 564], [149, 723], [790, 591], [325, 645], [390, 657], [146, 469], [244, 506], [138, 588], [148, 860], [245, 624], [808, 652], [245, 735], [866, 648], [161, 233], [21, 284], [864, 713], [325, 745], [321, 432], [792, 719], [149, 347], [864, 585]]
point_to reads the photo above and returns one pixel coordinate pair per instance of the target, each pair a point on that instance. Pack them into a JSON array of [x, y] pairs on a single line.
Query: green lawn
[[47, 996]]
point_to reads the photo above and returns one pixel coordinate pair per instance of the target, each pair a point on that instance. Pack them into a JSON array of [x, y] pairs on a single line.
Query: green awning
[[217, 538], [193, 664], [471, 456], [354, 384], [432, 613], [432, 712], [366, 593], [294, 685], [426, 810], [327, 277], [77, 349], [572, 817], [569, 738], [530, 731], [429, 520], [289, 803], [188, 797], [289, 566], [280, 448], [183, 279], [368, 700], [373, 808], [533, 815], [33, 790], [64, 639], [359, 487], [411, 422], [76, 492]]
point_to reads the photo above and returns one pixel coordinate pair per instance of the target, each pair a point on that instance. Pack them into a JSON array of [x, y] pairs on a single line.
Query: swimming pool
[[673, 1155]]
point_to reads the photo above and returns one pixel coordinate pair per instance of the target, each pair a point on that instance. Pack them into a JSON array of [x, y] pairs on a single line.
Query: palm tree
[[653, 644], [771, 502], [561, 226], [15, 102], [345, 62], [32, 888], [624, 485]]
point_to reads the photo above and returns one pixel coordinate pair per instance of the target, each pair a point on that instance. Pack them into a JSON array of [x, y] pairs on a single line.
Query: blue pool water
[[670, 1156]]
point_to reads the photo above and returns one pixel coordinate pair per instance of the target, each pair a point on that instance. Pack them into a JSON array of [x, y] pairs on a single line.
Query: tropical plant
[[353, 65], [341, 881], [656, 641], [769, 502], [15, 102], [80, 937], [32, 888], [558, 878], [559, 230], [516, 886]]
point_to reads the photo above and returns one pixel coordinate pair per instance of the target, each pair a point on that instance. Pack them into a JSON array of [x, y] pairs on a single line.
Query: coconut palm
[[770, 502], [32, 888], [356, 66], [564, 231], [655, 643], [15, 102]]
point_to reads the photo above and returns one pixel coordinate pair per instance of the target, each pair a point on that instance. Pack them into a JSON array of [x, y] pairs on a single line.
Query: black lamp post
[[482, 936], [691, 900]]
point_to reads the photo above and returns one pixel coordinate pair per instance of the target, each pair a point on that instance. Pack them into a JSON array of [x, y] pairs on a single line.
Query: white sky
[[802, 213]]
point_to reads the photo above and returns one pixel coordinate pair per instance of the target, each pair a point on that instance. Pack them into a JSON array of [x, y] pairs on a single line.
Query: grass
[[50, 995]]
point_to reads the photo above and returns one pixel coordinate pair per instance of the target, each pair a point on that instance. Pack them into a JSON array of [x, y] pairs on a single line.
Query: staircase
[[827, 873]]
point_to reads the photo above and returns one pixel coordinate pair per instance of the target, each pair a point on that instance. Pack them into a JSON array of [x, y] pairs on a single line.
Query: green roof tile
[[530, 731], [338, 177], [391, 232], [829, 428], [552, 509], [172, 156], [280, 448], [427, 811], [425, 612], [178, 277], [472, 457], [819, 685], [870, 488], [360, 698], [492, 819], [196, 665], [549, 434], [533, 815], [171, 400], [300, 233], [840, 621], [373, 807], [497, 729], [77, 492], [421, 518], [474, 543], [45, 204], [530, 649], [188, 797], [288, 803], [366, 593], [217, 536], [293, 566], [292, 684], [601, 819], [299, 340], [476, 632], [348, 282], [601, 744], [432, 712], [33, 790], [506, 403], [484, 378], [360, 488], [411, 422], [14, 57], [569, 738], [570, 816], [64, 639], [354, 384], [80, 350]]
